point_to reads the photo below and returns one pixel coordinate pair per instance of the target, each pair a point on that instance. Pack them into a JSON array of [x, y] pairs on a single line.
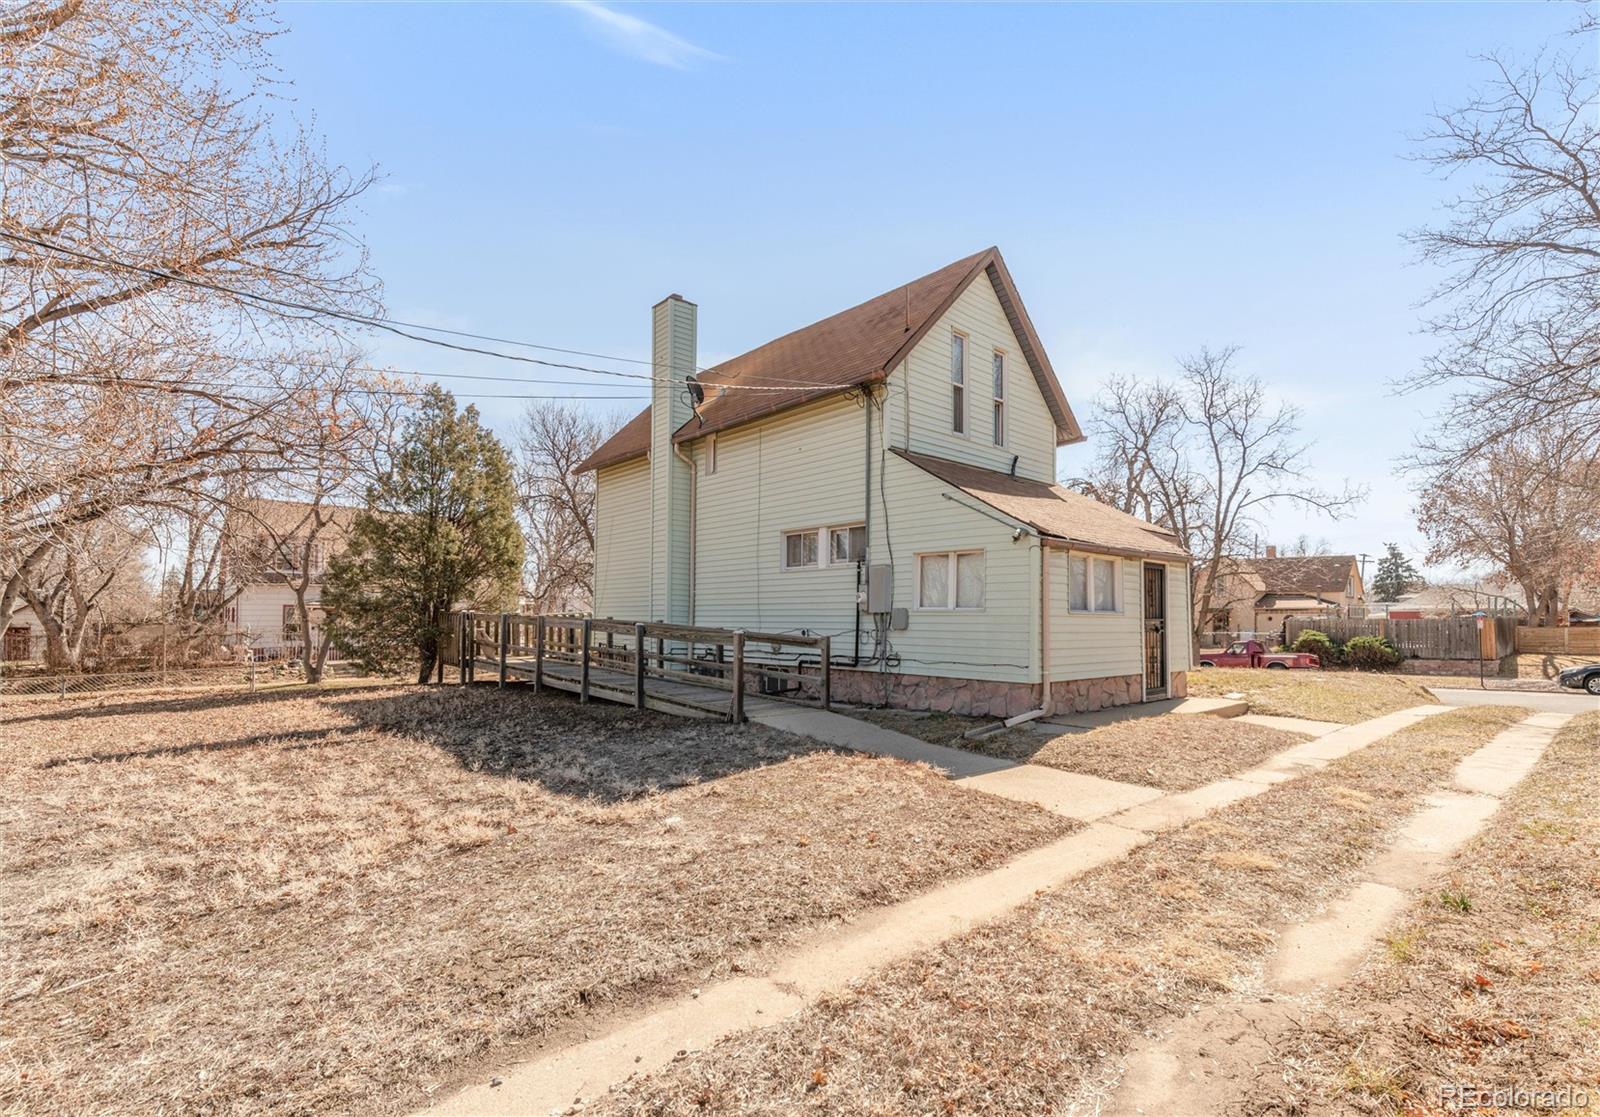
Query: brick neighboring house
[[1256, 595]]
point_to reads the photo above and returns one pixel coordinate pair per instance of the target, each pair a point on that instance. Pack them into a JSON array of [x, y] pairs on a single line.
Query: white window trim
[[711, 454], [824, 536], [1002, 399], [783, 548], [828, 537], [953, 556], [965, 384], [1117, 594]]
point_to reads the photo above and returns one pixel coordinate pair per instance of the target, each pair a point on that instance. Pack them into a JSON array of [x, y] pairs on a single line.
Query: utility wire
[[399, 327]]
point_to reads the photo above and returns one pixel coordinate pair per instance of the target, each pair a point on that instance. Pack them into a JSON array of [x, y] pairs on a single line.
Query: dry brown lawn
[[1343, 696], [1031, 1014], [1493, 979], [293, 904], [1174, 752]]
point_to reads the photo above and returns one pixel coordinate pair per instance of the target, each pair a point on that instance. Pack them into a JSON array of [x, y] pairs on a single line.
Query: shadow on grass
[[308, 738], [600, 751], [171, 704]]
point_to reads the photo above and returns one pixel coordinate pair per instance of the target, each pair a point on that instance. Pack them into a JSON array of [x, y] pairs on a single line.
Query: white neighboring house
[[886, 476], [23, 640], [266, 544]]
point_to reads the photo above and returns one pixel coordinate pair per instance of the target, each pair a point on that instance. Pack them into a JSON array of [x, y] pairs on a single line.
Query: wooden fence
[[1582, 639], [1429, 638]]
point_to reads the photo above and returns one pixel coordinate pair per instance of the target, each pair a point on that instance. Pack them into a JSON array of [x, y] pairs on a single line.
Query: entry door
[[1155, 631]]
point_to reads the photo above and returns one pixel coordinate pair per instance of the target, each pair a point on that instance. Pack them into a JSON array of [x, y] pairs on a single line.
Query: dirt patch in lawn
[[1343, 696], [1491, 980], [290, 904], [1174, 752], [1032, 1013]]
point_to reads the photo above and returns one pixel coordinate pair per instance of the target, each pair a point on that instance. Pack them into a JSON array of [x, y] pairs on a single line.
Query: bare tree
[[69, 593], [1527, 510], [159, 232], [556, 504], [1519, 314], [1208, 455]]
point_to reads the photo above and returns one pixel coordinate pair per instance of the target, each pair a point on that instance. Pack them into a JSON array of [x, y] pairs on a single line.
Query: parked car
[[1253, 653], [1586, 678]]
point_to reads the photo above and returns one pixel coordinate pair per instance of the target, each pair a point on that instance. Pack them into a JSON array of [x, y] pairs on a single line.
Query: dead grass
[[1495, 979], [1031, 1014], [1174, 752], [1343, 696], [294, 904]]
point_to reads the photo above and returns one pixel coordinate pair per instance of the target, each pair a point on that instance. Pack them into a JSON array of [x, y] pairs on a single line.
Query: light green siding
[[910, 516], [798, 470], [1179, 641], [622, 541], [920, 400], [1095, 645]]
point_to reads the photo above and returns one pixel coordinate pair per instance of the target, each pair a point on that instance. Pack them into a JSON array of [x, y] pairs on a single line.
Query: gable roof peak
[[848, 350]]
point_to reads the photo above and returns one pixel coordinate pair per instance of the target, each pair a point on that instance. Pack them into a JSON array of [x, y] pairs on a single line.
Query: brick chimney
[[673, 358], [1272, 552]]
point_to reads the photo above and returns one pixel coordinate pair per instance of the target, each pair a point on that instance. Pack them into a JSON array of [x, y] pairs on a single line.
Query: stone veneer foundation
[[985, 697]]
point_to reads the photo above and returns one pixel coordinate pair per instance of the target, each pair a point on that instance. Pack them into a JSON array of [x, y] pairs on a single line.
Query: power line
[[154, 384], [394, 326]]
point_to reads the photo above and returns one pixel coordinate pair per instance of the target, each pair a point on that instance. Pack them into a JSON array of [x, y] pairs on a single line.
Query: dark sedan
[[1586, 678]]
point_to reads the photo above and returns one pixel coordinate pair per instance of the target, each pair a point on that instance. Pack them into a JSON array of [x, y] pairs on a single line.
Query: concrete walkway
[[1226, 1055], [829, 959], [863, 736]]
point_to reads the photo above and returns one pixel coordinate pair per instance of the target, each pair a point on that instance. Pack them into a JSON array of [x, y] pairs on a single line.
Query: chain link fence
[[233, 676]]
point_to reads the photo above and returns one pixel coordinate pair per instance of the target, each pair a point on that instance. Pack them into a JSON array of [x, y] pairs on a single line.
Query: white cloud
[[639, 38]]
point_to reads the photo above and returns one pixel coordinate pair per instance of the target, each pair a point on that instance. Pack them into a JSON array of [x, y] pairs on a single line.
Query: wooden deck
[[689, 670], [670, 696]]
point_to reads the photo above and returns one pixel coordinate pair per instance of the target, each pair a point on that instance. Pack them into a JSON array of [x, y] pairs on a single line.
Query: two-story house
[[1254, 596], [272, 552], [886, 476]]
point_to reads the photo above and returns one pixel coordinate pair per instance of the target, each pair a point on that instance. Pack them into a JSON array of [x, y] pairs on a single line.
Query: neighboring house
[[266, 545], [1256, 595], [1454, 601], [23, 638], [886, 477]]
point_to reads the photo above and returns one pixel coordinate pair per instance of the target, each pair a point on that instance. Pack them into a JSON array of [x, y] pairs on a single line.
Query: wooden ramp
[[687, 670]]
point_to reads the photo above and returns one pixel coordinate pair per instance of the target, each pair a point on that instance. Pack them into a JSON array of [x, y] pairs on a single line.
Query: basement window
[[1094, 584], [951, 580]]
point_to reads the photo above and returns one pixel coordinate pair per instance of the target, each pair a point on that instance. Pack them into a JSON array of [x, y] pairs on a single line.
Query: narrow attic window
[[958, 383], [711, 454], [999, 398]]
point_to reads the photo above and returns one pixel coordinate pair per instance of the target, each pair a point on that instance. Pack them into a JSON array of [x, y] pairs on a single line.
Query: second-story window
[[711, 455], [999, 398], [958, 383]]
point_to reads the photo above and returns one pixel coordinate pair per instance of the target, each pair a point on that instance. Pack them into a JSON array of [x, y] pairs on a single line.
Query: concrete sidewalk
[[828, 959], [863, 736]]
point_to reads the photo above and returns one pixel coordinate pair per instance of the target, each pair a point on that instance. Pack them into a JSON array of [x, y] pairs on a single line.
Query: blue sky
[[1158, 176]]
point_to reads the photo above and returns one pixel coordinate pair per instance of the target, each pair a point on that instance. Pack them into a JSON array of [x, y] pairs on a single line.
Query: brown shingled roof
[[852, 348], [1301, 574], [1054, 511]]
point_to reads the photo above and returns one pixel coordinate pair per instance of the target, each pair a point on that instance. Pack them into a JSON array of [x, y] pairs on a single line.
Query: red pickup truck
[[1252, 653]]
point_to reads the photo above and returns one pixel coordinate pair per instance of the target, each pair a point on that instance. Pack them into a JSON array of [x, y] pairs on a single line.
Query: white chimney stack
[[673, 359]]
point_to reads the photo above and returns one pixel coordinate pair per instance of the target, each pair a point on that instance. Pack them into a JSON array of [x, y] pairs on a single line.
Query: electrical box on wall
[[899, 619], [880, 589]]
